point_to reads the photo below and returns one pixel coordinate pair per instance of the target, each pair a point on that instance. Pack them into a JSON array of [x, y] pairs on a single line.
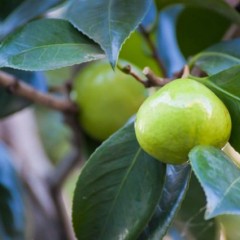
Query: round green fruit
[[106, 98], [179, 116]]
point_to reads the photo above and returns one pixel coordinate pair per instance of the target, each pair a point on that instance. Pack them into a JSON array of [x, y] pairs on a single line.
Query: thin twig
[[153, 80], [20, 88], [153, 48]]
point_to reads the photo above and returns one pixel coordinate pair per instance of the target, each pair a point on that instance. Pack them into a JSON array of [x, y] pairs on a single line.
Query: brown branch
[[153, 80], [153, 48], [20, 88]]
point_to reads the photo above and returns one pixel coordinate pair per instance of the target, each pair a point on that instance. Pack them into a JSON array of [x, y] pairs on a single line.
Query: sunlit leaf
[[108, 22], [47, 44], [220, 179]]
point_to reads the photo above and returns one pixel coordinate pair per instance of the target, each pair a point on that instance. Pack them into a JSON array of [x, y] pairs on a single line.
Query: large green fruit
[[106, 98], [179, 116]]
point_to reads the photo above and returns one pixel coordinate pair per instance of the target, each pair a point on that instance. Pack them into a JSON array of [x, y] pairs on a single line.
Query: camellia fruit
[[106, 98], [179, 116]]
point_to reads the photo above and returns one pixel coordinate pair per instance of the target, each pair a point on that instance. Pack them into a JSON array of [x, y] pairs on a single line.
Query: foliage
[[122, 192]]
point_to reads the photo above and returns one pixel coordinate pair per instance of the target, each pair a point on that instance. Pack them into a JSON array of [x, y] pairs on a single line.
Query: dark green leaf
[[7, 6], [219, 57], [220, 179], [220, 6], [226, 86], [108, 22], [117, 190], [26, 11], [198, 28], [47, 44], [190, 219], [12, 215], [10, 103], [174, 190]]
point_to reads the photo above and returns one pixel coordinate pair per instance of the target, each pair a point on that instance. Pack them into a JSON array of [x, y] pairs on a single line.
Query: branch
[[22, 89], [152, 79], [153, 48]]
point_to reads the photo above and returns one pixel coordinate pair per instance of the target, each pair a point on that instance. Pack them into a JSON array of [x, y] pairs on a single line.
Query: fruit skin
[[179, 116], [106, 98]]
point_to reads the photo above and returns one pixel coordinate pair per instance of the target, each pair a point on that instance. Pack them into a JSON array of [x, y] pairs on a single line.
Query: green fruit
[[106, 98], [179, 116]]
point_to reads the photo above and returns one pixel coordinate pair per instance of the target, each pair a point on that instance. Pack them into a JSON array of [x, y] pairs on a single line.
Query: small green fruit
[[179, 116], [106, 98]]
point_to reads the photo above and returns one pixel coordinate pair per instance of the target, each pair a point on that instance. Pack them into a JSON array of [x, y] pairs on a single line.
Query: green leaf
[[12, 214], [117, 190], [174, 190], [220, 179], [198, 28], [7, 6], [108, 22], [47, 44], [226, 86], [10, 103], [26, 11], [220, 6], [190, 218], [218, 57]]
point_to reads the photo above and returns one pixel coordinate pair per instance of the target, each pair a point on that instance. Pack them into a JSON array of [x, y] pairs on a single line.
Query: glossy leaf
[[219, 57], [10, 103], [220, 6], [198, 28], [108, 22], [47, 44], [26, 11], [174, 190], [12, 215], [226, 86], [220, 179], [117, 190]]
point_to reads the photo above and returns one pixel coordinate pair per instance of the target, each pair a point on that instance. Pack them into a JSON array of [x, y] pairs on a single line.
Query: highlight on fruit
[[179, 116]]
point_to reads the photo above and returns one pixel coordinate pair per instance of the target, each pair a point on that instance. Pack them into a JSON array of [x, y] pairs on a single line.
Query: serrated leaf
[[174, 190], [47, 44], [220, 179], [12, 215], [218, 57], [220, 6], [10, 103], [26, 11], [117, 190], [108, 22], [226, 85]]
